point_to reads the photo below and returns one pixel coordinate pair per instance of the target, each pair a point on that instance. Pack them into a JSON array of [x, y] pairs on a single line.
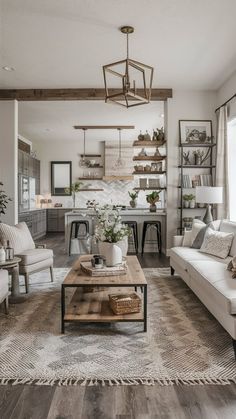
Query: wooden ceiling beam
[[72, 94]]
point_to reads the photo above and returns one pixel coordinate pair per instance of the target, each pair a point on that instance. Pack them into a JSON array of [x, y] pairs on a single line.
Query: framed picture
[[195, 131]]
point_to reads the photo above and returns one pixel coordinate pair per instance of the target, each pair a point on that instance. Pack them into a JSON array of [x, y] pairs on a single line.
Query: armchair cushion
[[32, 256], [19, 237], [3, 284]]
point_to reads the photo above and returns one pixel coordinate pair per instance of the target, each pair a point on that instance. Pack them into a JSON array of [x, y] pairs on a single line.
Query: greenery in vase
[[75, 187], [133, 195], [188, 197], [109, 227], [153, 197], [4, 200]]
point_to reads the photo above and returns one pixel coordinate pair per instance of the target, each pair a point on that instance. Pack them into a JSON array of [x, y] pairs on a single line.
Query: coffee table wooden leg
[[145, 308], [62, 309]]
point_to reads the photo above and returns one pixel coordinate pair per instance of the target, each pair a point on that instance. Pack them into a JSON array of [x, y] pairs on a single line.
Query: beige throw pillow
[[217, 243], [19, 237]]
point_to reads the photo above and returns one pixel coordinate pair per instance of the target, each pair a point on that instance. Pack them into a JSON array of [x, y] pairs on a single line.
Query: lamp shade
[[209, 194]]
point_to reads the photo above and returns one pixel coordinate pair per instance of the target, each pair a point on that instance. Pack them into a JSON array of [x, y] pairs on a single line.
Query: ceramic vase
[[112, 252], [186, 204], [123, 245], [192, 204], [133, 203], [153, 208]]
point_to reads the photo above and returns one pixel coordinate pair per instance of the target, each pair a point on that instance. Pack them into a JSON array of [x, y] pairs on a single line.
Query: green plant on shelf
[[189, 200]]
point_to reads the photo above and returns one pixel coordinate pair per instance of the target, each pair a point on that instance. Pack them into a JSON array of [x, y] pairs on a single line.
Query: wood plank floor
[[121, 402]]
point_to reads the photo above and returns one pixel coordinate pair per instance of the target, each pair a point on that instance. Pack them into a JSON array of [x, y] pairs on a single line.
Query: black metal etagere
[[211, 166]]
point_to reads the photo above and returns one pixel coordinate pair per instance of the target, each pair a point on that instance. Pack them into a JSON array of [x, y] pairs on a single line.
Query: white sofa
[[209, 279]]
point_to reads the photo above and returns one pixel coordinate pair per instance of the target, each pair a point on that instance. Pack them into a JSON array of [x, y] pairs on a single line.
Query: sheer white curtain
[[222, 168]]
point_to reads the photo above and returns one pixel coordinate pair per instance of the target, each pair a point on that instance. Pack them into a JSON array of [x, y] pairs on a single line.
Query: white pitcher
[[112, 253]]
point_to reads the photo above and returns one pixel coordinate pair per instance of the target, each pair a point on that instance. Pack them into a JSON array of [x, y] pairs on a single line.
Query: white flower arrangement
[[109, 227]]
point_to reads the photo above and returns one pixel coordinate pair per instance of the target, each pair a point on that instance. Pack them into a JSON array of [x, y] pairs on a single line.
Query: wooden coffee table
[[94, 307]]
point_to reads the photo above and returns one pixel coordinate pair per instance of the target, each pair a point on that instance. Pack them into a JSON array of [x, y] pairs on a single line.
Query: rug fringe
[[118, 381]]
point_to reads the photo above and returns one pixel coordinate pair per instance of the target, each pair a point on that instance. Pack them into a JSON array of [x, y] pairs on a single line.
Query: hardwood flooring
[[121, 402]]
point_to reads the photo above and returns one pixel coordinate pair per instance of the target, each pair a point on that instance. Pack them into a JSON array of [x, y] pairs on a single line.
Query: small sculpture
[[147, 136], [186, 158], [141, 136], [157, 152], [142, 152], [160, 134]]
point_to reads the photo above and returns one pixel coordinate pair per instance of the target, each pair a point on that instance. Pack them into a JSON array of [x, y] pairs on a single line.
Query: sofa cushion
[[183, 255], [216, 281], [217, 243], [229, 227], [29, 257], [19, 237]]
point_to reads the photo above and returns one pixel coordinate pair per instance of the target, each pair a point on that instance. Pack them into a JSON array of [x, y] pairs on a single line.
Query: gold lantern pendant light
[[134, 78]]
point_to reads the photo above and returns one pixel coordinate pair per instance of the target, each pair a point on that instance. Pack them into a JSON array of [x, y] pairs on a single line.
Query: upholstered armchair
[[4, 289], [34, 258]]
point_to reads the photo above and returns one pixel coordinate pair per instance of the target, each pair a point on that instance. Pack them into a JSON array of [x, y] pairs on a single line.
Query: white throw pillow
[[217, 243], [19, 237], [187, 240], [197, 226]]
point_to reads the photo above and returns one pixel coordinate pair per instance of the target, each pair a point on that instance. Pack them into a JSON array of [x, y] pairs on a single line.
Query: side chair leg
[[52, 273], [26, 283], [172, 270]]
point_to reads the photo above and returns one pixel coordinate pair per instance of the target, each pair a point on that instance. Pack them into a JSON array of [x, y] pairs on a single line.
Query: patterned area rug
[[184, 343]]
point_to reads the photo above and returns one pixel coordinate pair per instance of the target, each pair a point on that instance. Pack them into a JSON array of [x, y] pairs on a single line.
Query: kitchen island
[[132, 214]]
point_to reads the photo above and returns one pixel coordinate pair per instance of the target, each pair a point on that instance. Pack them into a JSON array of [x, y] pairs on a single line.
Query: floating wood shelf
[[90, 178], [150, 173], [198, 145], [200, 166], [90, 190], [149, 189], [148, 144], [104, 127], [91, 155], [186, 187], [195, 208], [149, 158], [114, 178]]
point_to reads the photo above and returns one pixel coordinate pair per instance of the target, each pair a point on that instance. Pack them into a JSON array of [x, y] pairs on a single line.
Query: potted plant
[[111, 234], [73, 190], [134, 196], [152, 198], [189, 200], [4, 200]]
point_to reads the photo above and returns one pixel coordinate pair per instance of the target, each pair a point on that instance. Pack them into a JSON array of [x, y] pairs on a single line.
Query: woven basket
[[125, 303]]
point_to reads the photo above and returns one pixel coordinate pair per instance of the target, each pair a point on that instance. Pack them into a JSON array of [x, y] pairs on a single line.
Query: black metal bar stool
[[157, 225], [134, 227], [74, 230]]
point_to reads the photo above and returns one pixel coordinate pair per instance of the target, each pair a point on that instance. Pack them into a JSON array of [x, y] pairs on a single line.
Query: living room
[[117, 223]]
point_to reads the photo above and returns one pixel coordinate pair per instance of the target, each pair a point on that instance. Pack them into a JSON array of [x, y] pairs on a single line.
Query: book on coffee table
[[87, 267]]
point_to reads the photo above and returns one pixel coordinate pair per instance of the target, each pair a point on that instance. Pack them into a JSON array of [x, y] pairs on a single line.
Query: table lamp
[[209, 195]]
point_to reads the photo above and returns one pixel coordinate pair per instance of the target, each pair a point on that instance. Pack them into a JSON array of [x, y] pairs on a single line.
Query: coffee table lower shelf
[[94, 308]]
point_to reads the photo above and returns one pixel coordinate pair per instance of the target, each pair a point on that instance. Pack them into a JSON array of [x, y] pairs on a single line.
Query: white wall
[[183, 105], [8, 156]]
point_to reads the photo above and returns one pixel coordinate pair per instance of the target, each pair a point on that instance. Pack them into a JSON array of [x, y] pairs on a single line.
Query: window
[[232, 168]]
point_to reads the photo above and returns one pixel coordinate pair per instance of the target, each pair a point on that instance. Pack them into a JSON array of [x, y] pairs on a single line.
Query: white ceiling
[[64, 43]]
